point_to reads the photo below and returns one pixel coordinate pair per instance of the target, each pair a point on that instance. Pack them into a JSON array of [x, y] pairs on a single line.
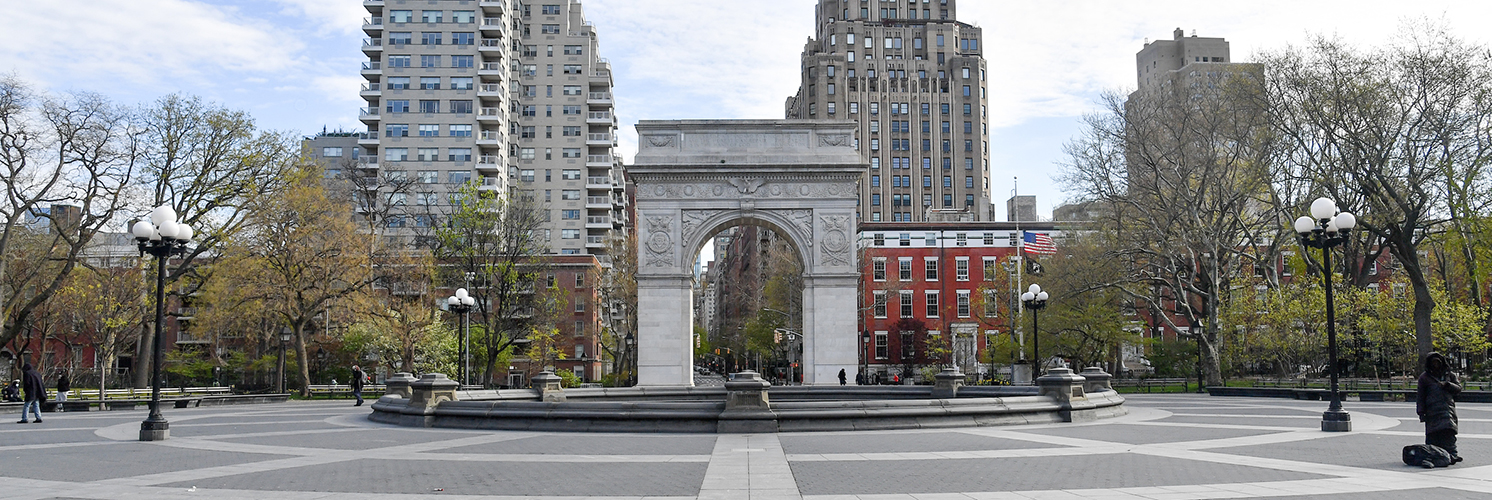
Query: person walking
[[841, 376], [1436, 404], [36, 392], [357, 384], [63, 386]]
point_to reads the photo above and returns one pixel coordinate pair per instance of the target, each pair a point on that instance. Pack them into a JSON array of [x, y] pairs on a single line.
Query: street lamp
[[161, 236], [865, 371], [631, 361], [1326, 228], [285, 334], [1035, 299], [792, 338], [461, 303]]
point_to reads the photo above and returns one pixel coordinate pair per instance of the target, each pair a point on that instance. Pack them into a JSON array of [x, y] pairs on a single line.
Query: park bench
[[342, 390]]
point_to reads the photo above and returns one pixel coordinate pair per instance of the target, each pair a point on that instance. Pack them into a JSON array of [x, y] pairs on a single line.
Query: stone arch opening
[[750, 291], [696, 177]]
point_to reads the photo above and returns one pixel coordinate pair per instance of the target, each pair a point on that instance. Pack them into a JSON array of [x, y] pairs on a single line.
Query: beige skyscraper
[[511, 95], [914, 79]]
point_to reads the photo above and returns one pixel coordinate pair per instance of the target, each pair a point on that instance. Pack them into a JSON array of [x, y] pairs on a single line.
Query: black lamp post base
[[155, 430], [1336, 421]]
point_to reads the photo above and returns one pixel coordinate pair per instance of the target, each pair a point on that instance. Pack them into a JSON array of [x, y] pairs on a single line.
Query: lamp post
[[161, 236], [461, 303], [1326, 228], [285, 334], [1035, 299], [631, 361], [865, 370], [792, 350]]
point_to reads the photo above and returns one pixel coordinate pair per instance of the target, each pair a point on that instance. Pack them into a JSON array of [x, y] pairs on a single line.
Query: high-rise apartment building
[[508, 94], [914, 79]]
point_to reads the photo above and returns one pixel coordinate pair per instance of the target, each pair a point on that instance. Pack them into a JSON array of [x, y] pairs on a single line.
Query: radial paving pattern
[[1169, 447]]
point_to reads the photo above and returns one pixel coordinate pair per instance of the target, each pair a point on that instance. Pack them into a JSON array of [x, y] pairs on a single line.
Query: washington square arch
[[696, 178]]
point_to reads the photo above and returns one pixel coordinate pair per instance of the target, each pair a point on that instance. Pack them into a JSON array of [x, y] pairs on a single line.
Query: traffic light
[[777, 337]]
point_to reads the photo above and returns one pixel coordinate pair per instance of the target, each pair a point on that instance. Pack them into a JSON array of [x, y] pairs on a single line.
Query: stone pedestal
[[948, 382], [747, 408], [1096, 379], [398, 385], [1066, 387], [550, 386], [427, 393]]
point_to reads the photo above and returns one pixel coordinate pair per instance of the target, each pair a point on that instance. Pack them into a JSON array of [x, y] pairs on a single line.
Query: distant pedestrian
[[63, 386], [12, 392], [859, 378], [357, 384], [36, 392], [841, 376], [1436, 404]]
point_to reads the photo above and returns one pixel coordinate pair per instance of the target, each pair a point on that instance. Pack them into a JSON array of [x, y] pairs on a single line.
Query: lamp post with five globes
[[1035, 299], [461, 303], [1326, 228], [161, 236]]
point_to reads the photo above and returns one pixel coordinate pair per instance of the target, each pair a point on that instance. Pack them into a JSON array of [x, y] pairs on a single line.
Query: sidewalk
[[1169, 447]]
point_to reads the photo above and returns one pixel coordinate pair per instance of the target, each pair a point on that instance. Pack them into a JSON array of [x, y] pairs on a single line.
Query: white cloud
[[330, 16]]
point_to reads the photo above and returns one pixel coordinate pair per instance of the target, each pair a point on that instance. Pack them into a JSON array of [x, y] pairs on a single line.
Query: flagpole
[[1020, 264]]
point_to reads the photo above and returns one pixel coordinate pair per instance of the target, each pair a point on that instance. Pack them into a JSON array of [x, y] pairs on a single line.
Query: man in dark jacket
[[1436, 404], [36, 392], [357, 384]]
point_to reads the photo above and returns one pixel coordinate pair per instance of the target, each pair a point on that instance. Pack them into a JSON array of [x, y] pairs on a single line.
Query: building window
[[400, 82], [989, 266], [463, 38], [881, 345], [331, 152], [880, 304], [879, 269], [908, 346], [401, 16], [395, 154], [398, 106], [905, 240], [460, 154], [963, 303], [570, 194], [930, 265], [430, 38], [429, 106], [463, 61], [904, 268], [461, 83], [961, 268], [570, 152], [932, 303], [431, 16], [991, 304], [429, 130], [458, 177], [428, 176], [429, 61], [906, 303], [461, 106], [569, 234], [460, 130]]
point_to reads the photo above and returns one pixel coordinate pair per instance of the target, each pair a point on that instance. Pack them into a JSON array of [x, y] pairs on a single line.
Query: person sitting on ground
[[1436, 404], [12, 392]]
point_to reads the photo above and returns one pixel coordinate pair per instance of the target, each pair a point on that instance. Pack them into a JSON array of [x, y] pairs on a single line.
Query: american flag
[[1039, 243]]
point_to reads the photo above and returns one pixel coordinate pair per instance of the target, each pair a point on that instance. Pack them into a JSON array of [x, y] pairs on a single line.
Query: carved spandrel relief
[[802, 220], [692, 222], [660, 242], [834, 140], [835, 249], [659, 141]]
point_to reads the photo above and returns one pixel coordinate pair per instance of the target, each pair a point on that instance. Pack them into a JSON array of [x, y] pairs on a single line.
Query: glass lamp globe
[[1323, 208], [1305, 224]]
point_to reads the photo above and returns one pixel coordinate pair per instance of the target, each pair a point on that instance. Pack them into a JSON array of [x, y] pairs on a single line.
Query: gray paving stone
[[1141, 434], [458, 478], [1371, 451], [898, 442], [1307, 422], [113, 460], [1427, 494], [361, 439], [187, 430], [592, 444], [38, 435], [1020, 474]]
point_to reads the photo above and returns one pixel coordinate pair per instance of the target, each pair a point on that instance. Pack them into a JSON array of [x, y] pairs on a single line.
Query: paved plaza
[[1168, 447]]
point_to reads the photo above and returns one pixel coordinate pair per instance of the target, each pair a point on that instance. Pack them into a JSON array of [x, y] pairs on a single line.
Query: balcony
[[367, 139], [367, 163], [598, 117], [490, 164], [599, 160], [598, 139], [372, 3], [491, 184], [598, 98], [372, 24], [493, 24], [372, 45], [598, 182], [598, 202], [595, 242], [491, 69], [372, 68], [369, 114], [601, 76], [490, 138], [489, 114], [491, 90], [491, 45], [370, 89], [598, 222]]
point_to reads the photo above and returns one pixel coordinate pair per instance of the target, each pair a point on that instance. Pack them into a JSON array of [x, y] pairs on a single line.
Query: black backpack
[[1426, 455]]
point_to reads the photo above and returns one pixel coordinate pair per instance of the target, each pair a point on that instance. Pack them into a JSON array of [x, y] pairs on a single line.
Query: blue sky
[[293, 63]]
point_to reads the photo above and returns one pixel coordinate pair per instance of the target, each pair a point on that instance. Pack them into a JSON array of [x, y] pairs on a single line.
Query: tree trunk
[[140, 368], [300, 356]]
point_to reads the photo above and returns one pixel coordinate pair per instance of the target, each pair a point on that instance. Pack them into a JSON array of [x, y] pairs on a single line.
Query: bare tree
[[1401, 132], [1184, 182], [67, 162]]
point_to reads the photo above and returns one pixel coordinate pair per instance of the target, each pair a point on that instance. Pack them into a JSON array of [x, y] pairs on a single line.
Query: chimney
[[1178, 33]]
